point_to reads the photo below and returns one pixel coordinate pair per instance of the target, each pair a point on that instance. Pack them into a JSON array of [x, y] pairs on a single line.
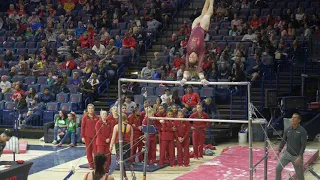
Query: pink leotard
[[196, 44]]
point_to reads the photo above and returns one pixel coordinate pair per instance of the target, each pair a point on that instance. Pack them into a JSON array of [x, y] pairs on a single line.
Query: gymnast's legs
[[204, 18]]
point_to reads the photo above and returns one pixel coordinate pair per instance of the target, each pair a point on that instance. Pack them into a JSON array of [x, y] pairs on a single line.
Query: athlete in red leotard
[[196, 46]]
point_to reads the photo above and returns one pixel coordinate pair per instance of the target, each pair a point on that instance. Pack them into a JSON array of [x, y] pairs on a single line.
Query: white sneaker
[[54, 142], [58, 137]]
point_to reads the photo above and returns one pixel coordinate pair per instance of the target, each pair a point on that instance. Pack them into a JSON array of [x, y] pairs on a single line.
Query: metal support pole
[[146, 151], [120, 131], [266, 153], [250, 134]]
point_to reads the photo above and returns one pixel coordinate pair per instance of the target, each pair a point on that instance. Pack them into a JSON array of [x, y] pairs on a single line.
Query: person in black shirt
[[4, 138], [86, 90], [59, 86]]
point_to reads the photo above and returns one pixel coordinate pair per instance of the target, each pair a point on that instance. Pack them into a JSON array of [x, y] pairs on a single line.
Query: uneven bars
[[208, 120], [178, 82]]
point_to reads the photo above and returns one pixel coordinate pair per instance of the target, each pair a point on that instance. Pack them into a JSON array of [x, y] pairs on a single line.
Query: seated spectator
[[245, 4], [20, 104], [213, 72], [34, 19], [190, 100], [299, 15], [18, 91], [211, 108], [233, 31], [270, 21], [69, 5], [50, 79], [130, 43], [110, 50], [65, 78], [38, 67], [224, 72], [237, 74], [59, 86], [157, 63], [75, 78], [5, 85], [11, 10], [85, 41], [64, 50], [99, 48], [46, 96], [184, 43], [29, 32], [147, 72], [125, 91], [255, 68], [307, 31], [60, 125], [23, 69], [34, 112], [71, 131], [250, 36], [86, 90], [157, 104], [166, 94], [176, 50], [177, 62], [166, 13], [172, 42], [88, 69], [239, 54], [94, 81], [168, 73], [130, 105], [9, 56], [153, 24], [31, 94], [181, 71], [235, 22], [118, 42], [167, 103]]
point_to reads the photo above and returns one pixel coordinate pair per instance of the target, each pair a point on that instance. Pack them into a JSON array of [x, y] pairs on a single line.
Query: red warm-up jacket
[[112, 120], [200, 125], [167, 132], [183, 129], [136, 121], [88, 126], [104, 131]]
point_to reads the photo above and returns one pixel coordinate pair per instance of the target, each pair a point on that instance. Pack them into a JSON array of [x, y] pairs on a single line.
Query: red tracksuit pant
[[198, 142], [152, 149], [183, 152], [167, 146], [91, 150], [105, 149], [137, 148]]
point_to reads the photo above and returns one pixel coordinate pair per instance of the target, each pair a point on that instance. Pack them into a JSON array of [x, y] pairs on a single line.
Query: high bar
[[257, 121], [177, 82]]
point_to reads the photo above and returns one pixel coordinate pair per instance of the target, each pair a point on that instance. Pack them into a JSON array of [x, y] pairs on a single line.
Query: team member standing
[[296, 139], [167, 140], [4, 138], [198, 131], [135, 120], [88, 133], [113, 117], [104, 134], [152, 144], [182, 140]]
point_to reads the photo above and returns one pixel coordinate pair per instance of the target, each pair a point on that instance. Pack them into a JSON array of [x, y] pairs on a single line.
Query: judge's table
[[10, 170]]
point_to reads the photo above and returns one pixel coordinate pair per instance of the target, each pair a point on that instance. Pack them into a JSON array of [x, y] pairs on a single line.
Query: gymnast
[[196, 47]]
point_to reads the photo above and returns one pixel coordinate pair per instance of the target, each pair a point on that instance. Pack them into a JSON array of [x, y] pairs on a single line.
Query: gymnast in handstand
[[196, 46]]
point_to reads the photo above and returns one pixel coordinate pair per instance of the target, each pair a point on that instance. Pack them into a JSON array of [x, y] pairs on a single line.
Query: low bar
[[178, 82], [207, 120]]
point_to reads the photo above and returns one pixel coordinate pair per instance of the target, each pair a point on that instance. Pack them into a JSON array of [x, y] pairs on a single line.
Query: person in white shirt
[[250, 36], [5, 85], [235, 22], [165, 95], [99, 48], [181, 71], [130, 105]]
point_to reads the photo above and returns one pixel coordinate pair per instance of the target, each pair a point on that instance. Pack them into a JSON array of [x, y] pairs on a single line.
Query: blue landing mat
[[43, 148], [136, 167], [55, 158]]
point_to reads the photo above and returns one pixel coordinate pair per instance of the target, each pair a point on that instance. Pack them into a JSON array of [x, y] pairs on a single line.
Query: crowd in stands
[[69, 46]]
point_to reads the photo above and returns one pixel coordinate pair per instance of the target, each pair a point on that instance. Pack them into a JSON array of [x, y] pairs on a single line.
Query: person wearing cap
[[59, 86], [4, 138], [86, 90], [166, 94], [190, 99]]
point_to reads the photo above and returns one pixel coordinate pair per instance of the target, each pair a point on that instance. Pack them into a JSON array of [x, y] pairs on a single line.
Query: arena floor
[[55, 164]]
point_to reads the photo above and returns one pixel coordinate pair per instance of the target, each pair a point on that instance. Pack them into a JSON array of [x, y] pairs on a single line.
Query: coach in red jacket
[[167, 140], [88, 133], [104, 135], [198, 131], [182, 140], [135, 120]]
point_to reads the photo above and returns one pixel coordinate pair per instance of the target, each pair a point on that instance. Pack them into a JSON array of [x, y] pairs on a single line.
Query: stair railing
[[267, 73]]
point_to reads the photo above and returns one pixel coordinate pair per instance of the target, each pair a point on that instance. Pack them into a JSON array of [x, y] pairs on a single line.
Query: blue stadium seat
[[62, 97], [150, 91], [12, 63], [32, 50], [52, 106], [9, 105], [216, 38], [276, 12], [19, 44], [35, 86], [48, 116], [160, 90], [30, 80], [4, 71], [73, 88], [2, 105], [180, 90], [138, 99], [67, 71], [255, 11], [8, 96], [17, 78], [265, 12], [125, 52], [42, 80], [76, 100], [66, 106], [315, 4], [207, 92], [151, 99]]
